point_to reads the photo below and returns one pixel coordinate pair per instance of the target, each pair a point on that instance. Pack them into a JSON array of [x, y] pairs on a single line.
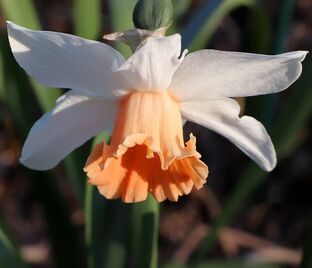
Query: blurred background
[[243, 217]]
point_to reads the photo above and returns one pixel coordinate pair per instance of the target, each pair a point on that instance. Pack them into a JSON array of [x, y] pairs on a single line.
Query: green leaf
[[107, 228], [289, 124], [145, 233], [294, 113], [87, 24], [260, 30], [19, 98], [61, 231], [59, 226], [205, 22], [21, 12], [87, 18], [121, 18], [283, 28], [279, 46], [220, 264], [180, 8], [2, 90], [16, 89], [9, 253], [45, 96]]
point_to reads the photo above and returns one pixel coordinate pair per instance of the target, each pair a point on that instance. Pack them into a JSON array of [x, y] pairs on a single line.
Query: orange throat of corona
[[147, 152]]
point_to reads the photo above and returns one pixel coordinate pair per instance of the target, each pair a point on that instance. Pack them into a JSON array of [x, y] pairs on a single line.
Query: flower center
[[153, 119]]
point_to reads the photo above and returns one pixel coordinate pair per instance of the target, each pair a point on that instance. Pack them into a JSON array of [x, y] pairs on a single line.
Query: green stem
[[88, 224], [145, 233], [89, 209], [106, 228]]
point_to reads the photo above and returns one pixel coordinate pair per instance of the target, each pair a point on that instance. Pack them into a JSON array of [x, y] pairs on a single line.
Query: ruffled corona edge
[[147, 152], [133, 169]]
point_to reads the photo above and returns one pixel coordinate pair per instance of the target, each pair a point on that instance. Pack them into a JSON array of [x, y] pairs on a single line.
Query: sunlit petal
[[222, 116], [66, 61], [75, 119], [210, 74], [151, 67]]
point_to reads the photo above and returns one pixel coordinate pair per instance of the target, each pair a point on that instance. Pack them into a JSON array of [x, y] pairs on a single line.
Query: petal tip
[[296, 55], [13, 26], [304, 54], [271, 162], [271, 166], [301, 54], [32, 165]]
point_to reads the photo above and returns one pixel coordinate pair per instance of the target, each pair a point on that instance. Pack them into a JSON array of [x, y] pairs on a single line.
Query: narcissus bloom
[[145, 99]]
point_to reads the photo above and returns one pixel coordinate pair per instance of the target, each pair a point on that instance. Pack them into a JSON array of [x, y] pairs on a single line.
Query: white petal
[[151, 67], [248, 134], [212, 74], [75, 119], [66, 61]]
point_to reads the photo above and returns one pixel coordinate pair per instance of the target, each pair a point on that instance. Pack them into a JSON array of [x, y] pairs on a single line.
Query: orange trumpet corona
[[147, 152]]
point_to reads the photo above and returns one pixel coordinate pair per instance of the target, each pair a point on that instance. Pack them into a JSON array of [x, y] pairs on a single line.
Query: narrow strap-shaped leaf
[[61, 232], [121, 17], [2, 90], [87, 24], [87, 18], [220, 264], [206, 20], [16, 85], [45, 96], [107, 227], [21, 12], [59, 226], [284, 136], [291, 120], [180, 8], [121, 21], [9, 253], [279, 46], [90, 208], [106, 230], [145, 233], [283, 28]]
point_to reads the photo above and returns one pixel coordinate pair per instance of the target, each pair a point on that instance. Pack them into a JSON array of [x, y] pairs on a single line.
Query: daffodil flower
[[145, 99]]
